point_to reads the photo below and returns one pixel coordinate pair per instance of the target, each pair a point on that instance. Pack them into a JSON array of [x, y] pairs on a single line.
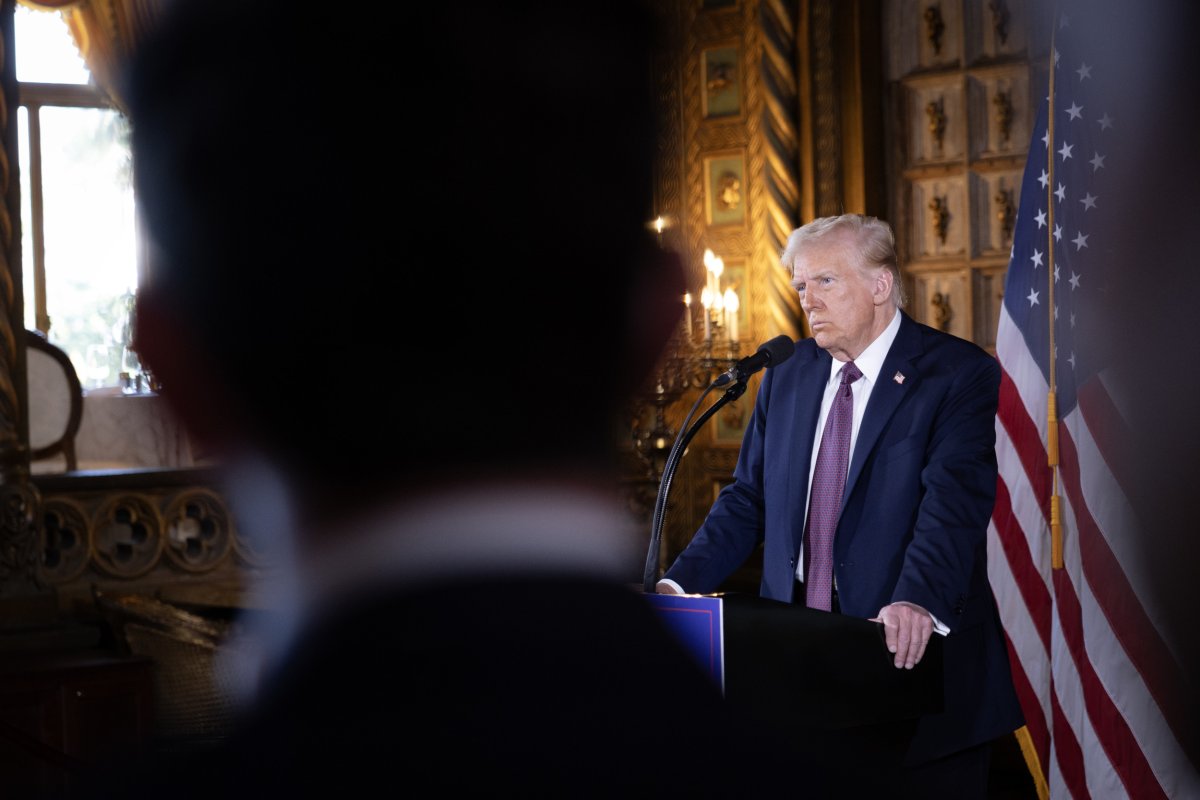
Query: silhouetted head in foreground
[[394, 248]]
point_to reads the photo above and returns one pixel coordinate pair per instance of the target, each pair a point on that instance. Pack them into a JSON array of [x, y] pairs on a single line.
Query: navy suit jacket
[[918, 497]]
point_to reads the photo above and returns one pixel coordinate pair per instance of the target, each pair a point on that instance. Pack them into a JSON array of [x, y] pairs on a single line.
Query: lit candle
[[658, 224], [706, 302], [687, 312], [718, 304], [732, 303]]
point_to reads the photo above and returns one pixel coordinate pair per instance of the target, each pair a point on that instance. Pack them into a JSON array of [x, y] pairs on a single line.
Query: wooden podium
[[822, 671]]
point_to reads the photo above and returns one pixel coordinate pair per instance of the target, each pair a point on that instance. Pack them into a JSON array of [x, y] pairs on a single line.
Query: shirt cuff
[[667, 582]]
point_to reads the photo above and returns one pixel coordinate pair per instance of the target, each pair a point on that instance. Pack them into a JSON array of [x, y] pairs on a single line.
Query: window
[[80, 248]]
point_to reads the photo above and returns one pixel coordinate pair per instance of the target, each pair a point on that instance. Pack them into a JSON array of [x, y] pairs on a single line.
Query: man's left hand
[[906, 629]]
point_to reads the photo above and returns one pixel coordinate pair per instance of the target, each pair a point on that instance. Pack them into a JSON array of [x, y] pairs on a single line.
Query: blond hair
[[873, 239]]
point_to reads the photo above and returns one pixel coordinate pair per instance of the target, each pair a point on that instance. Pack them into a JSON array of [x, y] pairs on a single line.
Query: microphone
[[769, 354]]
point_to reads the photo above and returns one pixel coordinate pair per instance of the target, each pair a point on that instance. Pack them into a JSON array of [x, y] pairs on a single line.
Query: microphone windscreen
[[780, 349]]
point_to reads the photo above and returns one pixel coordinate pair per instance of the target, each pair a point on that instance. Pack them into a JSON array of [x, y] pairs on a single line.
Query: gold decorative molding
[[719, 460], [781, 150], [765, 131], [127, 535], [825, 117], [19, 551], [106, 33], [11, 439], [66, 535], [764, 135], [199, 530], [11, 313], [669, 179], [19, 540], [130, 535]]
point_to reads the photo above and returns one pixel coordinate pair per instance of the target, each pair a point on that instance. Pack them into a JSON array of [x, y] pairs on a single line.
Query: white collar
[[481, 530], [870, 360]]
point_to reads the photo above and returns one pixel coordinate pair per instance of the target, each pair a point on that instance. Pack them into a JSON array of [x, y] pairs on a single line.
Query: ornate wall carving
[[961, 113], [141, 537], [826, 117], [19, 552], [732, 93], [781, 152]]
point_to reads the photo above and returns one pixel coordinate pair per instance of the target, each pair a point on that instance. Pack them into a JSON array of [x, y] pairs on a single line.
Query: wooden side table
[[67, 716]]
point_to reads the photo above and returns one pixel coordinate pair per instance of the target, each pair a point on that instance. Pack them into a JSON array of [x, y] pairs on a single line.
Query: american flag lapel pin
[[898, 377]]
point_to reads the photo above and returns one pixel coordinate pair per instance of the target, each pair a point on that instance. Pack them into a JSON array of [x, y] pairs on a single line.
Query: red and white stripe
[[1093, 673]]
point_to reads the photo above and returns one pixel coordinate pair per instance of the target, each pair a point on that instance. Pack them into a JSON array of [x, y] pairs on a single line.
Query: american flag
[[1095, 673]]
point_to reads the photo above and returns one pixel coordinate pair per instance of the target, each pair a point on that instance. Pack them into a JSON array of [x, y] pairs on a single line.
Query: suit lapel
[[886, 396]]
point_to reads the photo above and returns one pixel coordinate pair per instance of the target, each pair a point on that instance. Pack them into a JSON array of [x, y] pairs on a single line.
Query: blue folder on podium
[[826, 670]]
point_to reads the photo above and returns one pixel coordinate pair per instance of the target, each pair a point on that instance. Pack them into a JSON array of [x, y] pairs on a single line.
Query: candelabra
[[695, 356]]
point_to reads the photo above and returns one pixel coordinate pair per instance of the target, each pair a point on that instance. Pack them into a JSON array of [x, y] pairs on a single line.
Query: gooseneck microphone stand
[[650, 574]]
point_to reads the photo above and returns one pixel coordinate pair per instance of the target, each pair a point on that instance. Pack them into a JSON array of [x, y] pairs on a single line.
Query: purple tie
[[825, 504]]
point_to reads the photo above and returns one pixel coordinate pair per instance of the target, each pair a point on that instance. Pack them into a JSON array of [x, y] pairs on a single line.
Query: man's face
[[841, 300]]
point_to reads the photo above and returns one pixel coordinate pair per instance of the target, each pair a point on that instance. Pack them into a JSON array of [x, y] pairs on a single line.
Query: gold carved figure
[[935, 110], [935, 27], [1004, 113], [941, 311], [940, 217], [720, 77], [1000, 19], [1006, 212], [729, 191]]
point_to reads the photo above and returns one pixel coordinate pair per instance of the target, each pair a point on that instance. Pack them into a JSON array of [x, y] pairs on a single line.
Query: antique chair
[[55, 404]]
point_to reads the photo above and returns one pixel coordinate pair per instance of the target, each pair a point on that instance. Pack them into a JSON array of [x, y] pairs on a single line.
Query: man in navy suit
[[909, 547]]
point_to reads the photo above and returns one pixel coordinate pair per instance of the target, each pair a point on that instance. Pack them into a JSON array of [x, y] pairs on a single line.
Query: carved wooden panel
[[936, 114], [1000, 111], [987, 288], [942, 300], [923, 35], [994, 197], [959, 127], [939, 223], [995, 29]]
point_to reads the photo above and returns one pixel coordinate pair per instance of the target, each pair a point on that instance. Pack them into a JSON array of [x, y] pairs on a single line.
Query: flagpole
[[1037, 770], [1056, 542]]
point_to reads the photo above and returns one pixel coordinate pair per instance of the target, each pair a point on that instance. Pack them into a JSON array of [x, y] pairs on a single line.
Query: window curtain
[[106, 33]]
